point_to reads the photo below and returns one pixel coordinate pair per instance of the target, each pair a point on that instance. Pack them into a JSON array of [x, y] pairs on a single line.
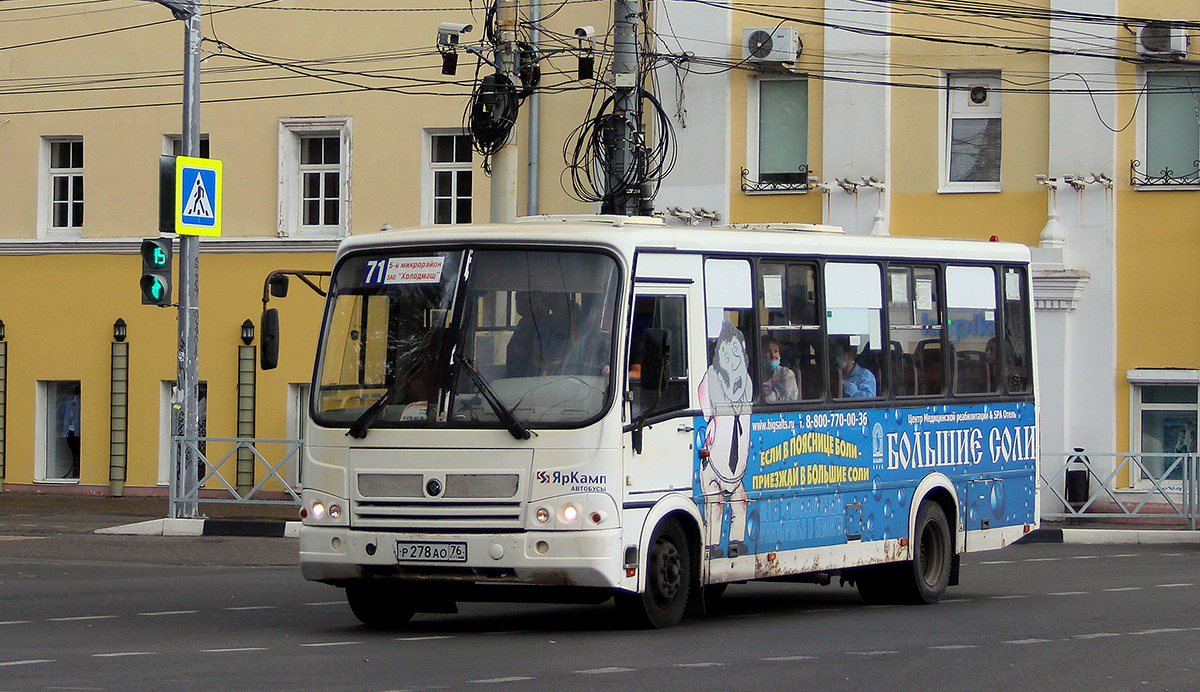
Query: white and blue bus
[[598, 408]]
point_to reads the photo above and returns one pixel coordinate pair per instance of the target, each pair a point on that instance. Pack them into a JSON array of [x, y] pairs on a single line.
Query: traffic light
[[156, 271]]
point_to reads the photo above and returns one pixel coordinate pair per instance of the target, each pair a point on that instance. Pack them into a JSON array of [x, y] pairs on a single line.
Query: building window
[[1164, 412], [777, 146], [1172, 129], [173, 146], [449, 177], [65, 184], [972, 134], [59, 431], [314, 176]]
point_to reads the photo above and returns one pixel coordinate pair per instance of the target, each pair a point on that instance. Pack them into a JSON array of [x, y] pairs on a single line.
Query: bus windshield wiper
[[506, 416], [358, 430]]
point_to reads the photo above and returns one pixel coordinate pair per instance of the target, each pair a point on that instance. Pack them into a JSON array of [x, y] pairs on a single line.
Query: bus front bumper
[[588, 558]]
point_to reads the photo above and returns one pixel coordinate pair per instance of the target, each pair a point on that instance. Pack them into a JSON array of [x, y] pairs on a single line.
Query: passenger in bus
[[779, 382], [540, 340], [857, 381]]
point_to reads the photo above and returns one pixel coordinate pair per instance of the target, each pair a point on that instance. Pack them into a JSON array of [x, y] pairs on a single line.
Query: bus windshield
[[426, 338]]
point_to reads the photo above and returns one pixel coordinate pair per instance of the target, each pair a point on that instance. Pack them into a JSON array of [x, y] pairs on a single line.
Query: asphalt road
[[116, 613]]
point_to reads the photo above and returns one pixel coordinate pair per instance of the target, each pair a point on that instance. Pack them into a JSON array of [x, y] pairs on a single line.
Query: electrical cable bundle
[[491, 114]]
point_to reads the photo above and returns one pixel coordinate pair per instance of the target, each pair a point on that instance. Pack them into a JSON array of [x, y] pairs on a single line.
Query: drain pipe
[[535, 116]]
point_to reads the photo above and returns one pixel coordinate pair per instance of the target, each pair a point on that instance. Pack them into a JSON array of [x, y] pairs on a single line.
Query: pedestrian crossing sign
[[197, 196]]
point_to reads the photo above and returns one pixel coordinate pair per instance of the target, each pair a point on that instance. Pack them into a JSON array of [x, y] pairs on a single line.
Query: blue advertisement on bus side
[[782, 481]]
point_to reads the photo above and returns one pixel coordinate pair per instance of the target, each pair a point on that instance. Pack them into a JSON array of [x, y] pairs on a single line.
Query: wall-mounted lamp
[[119, 330], [1, 330], [247, 332]]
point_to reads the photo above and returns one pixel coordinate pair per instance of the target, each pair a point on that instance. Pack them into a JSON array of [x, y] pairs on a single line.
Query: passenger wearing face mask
[[779, 382]]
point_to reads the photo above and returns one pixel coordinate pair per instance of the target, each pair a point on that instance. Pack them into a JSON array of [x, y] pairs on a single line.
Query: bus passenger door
[[665, 460]]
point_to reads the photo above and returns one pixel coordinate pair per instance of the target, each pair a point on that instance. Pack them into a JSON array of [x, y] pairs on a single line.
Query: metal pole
[[504, 161], [189, 284], [626, 104], [535, 119]]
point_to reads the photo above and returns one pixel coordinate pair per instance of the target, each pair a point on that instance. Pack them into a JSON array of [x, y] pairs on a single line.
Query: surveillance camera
[[454, 28], [586, 32]]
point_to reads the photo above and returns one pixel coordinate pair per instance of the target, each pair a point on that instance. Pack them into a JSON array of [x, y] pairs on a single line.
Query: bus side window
[[854, 325], [793, 361], [914, 331], [668, 313], [971, 324], [1014, 353]]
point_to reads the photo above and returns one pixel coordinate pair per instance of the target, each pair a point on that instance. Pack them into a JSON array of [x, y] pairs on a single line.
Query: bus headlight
[[543, 515], [318, 510], [569, 513]]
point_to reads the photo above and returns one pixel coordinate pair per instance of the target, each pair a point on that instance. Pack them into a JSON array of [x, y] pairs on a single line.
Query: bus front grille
[[438, 516]]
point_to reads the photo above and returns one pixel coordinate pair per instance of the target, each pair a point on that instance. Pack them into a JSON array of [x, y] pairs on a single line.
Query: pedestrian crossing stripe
[[198, 202]]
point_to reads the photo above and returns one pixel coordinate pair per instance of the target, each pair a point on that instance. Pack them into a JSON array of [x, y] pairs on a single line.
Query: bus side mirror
[[269, 329], [656, 353], [279, 285]]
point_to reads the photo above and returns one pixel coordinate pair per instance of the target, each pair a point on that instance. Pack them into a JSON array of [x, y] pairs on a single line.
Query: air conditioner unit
[[771, 44], [1162, 40]]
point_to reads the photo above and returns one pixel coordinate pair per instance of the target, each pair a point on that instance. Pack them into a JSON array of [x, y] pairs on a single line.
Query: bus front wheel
[[379, 606], [668, 581]]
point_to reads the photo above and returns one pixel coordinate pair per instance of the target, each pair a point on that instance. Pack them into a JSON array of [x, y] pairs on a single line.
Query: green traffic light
[[156, 289], [160, 256]]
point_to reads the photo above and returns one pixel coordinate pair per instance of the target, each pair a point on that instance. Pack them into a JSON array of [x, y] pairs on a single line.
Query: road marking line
[[702, 664], [117, 654], [27, 662], [869, 653], [326, 603], [603, 671], [788, 658], [1171, 554], [1067, 593], [1171, 586], [1085, 557], [233, 650], [1027, 641], [954, 600], [331, 643], [424, 639], [955, 647], [169, 612], [1005, 598], [1126, 588], [998, 562], [1160, 630], [16, 622], [1043, 559], [251, 608], [515, 678], [1124, 555], [81, 617], [1097, 635]]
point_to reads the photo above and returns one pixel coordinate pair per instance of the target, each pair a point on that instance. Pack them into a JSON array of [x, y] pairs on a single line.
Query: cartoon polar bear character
[[726, 393]]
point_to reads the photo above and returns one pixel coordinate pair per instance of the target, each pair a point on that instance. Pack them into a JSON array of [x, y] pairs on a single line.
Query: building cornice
[[1058, 289], [131, 246]]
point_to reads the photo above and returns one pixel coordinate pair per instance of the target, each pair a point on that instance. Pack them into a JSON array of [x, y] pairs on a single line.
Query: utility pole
[[504, 161], [188, 375], [626, 109]]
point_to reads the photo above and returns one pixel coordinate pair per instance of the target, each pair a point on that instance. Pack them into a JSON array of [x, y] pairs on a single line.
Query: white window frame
[[429, 167], [753, 97], [170, 140], [291, 130], [1145, 377], [1143, 135], [46, 226], [948, 79]]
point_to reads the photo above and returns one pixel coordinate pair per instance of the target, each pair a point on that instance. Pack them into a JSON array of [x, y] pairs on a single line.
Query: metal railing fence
[[1160, 485], [209, 469]]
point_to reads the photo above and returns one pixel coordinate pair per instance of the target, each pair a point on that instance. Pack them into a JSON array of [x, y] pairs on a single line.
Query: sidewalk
[[35, 513], [1100, 532]]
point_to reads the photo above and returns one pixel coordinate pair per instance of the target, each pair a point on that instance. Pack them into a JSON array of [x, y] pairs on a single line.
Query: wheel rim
[[932, 554], [667, 573]]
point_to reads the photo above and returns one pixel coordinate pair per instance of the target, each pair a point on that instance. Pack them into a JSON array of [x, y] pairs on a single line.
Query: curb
[[206, 527], [1111, 537]]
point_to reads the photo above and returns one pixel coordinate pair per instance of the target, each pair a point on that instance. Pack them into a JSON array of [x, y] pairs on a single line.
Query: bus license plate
[[430, 552]]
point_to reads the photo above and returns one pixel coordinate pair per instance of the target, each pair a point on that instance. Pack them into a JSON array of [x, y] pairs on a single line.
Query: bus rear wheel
[[928, 573], [380, 605], [668, 581]]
